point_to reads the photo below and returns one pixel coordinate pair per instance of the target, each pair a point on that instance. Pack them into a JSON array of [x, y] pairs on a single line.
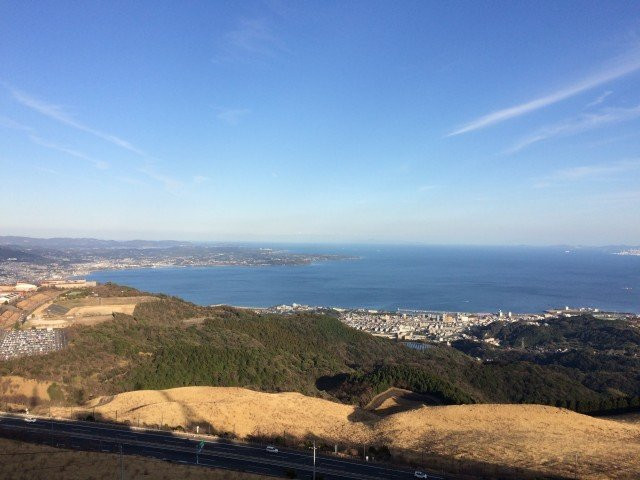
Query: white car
[[271, 449], [419, 474], [30, 419]]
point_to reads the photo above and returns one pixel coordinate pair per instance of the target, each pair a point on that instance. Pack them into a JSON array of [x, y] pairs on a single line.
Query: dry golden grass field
[[26, 461], [543, 439], [18, 392]]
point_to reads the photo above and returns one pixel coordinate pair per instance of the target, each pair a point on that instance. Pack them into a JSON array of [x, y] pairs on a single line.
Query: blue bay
[[473, 279]]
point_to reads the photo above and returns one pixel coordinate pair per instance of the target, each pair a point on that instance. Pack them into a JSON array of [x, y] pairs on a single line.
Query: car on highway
[[272, 449], [30, 419], [419, 474]]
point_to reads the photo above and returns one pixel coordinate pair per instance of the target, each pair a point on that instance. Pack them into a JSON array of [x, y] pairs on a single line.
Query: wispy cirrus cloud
[[251, 38], [618, 68], [170, 183], [232, 116], [601, 170], [131, 181], [6, 122], [581, 123], [59, 114], [589, 172], [199, 179], [600, 99], [99, 164]]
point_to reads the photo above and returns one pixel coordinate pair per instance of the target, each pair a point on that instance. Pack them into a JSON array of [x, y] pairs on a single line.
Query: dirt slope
[[545, 439]]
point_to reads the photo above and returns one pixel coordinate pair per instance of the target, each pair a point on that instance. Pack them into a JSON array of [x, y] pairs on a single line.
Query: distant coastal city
[[416, 327]]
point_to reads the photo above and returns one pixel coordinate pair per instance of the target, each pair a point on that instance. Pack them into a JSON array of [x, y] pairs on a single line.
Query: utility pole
[[121, 464], [314, 460], [198, 450]]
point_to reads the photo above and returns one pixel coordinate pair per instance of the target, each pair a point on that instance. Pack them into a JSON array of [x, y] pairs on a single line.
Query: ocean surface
[[469, 279]]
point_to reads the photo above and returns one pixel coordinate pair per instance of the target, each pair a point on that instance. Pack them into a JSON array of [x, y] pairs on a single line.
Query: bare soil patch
[[84, 311], [396, 400]]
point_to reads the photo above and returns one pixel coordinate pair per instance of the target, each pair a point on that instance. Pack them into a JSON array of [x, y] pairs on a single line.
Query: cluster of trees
[[361, 387], [582, 332]]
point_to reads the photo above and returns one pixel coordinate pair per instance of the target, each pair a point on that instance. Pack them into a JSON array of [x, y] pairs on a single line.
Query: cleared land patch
[[104, 301], [36, 300], [85, 310], [395, 400], [9, 317]]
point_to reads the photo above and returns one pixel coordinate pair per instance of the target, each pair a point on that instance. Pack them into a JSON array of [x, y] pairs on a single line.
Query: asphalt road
[[179, 448]]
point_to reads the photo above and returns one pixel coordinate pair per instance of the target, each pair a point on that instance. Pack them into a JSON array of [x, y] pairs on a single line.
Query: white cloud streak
[[199, 179], [171, 184], [601, 170], [581, 123], [58, 114], [589, 172], [99, 164], [624, 66], [600, 99], [252, 38], [7, 122]]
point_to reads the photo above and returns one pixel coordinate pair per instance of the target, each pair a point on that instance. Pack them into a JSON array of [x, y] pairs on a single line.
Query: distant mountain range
[[86, 243], [91, 243]]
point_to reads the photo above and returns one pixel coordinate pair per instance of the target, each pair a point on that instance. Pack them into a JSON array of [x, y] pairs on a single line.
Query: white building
[[25, 287]]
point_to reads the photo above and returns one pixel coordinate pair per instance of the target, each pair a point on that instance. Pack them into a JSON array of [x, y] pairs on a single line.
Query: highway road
[[181, 448]]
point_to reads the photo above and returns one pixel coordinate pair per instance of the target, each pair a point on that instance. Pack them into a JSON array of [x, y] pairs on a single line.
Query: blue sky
[[421, 122]]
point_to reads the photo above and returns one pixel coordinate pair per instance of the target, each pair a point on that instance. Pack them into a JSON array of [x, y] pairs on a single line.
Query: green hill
[[171, 343]]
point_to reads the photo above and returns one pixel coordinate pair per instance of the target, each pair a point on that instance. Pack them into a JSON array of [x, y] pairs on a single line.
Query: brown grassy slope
[[21, 392], [527, 436], [238, 411], [532, 437], [76, 465]]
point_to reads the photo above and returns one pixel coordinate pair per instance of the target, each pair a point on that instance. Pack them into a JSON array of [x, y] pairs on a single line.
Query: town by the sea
[[434, 278]]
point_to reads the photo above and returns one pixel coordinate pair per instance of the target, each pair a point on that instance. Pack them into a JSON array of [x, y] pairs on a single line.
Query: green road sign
[[201, 445]]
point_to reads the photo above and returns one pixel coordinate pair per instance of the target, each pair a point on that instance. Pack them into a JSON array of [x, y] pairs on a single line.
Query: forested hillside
[[603, 355], [172, 343]]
